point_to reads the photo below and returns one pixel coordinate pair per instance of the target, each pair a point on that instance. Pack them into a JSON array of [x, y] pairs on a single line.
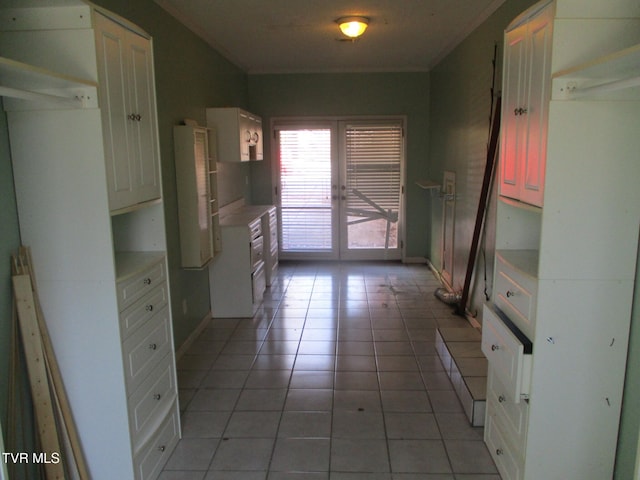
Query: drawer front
[[510, 465], [514, 416], [516, 296], [150, 402], [255, 229], [134, 288], [506, 355], [258, 284], [273, 235], [142, 310], [273, 217], [144, 349], [257, 252], [152, 457]]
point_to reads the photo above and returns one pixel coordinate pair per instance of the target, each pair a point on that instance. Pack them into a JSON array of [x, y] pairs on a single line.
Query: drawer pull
[[157, 396], [147, 281], [162, 448], [153, 346], [499, 451], [501, 399], [495, 347], [510, 294], [149, 308]]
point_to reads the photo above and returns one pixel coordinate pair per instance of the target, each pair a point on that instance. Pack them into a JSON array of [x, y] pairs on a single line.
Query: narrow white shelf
[[525, 261], [615, 76], [22, 81]]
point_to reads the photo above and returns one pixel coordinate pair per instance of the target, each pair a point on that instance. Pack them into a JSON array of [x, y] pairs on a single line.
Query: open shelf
[[22, 81], [615, 76]]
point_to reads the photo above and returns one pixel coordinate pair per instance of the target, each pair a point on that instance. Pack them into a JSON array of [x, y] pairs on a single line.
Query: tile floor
[[336, 377]]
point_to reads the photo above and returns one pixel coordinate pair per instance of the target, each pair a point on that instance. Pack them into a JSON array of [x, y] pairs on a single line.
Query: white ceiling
[[301, 36]]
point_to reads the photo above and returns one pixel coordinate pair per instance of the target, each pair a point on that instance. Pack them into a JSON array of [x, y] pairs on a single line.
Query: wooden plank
[[76, 464], [36, 368]]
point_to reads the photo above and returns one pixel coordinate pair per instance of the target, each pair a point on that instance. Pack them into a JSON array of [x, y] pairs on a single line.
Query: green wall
[[353, 94]]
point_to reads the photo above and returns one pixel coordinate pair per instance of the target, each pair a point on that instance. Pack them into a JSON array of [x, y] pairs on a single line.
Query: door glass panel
[[373, 154], [305, 196]]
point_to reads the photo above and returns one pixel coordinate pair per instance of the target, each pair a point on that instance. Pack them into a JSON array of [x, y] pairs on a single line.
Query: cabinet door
[[114, 104], [513, 92], [129, 114], [244, 126], [143, 106], [537, 101]]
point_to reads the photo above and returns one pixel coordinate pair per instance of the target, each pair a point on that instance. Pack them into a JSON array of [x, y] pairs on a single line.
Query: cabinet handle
[[131, 116], [162, 448], [510, 294], [138, 117], [147, 281], [501, 399], [519, 111], [149, 308], [157, 396], [499, 451], [153, 346], [495, 347]]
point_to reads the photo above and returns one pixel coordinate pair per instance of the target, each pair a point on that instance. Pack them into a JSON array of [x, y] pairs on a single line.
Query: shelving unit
[[556, 331], [197, 182], [86, 170]]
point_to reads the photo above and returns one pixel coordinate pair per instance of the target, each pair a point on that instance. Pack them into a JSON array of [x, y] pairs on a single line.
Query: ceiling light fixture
[[353, 27]]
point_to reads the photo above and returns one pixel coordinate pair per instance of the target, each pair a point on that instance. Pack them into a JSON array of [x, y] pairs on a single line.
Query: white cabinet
[[196, 178], [125, 72], [101, 263], [239, 134], [238, 278], [565, 270], [527, 79]]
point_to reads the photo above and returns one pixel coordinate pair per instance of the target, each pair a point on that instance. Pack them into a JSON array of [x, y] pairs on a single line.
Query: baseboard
[[186, 345], [421, 260]]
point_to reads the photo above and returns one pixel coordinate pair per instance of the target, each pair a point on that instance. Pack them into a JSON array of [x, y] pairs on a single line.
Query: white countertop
[[245, 215]]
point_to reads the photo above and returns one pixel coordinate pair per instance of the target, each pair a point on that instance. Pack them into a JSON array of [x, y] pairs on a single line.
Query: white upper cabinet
[[125, 69], [239, 134], [524, 115]]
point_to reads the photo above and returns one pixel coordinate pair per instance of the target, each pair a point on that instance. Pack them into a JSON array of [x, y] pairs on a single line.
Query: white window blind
[[373, 167]]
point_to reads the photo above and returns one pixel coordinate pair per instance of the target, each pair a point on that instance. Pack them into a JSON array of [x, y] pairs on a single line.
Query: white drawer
[[514, 416], [258, 283], [135, 287], [149, 404], [138, 313], [255, 229], [152, 457], [508, 352], [510, 465], [145, 347], [515, 294]]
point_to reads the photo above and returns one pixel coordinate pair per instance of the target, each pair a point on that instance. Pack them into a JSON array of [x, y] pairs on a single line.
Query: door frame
[[322, 122]]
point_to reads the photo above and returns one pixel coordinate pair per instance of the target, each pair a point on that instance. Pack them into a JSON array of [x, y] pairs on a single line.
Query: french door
[[339, 188]]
